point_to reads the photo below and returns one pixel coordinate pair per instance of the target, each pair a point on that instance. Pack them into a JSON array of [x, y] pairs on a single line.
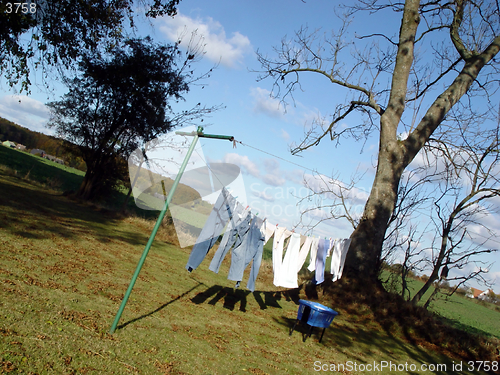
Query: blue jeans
[[250, 247], [217, 220], [240, 224]]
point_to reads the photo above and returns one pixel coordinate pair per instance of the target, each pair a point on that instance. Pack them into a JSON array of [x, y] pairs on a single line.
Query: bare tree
[[469, 182], [385, 79]]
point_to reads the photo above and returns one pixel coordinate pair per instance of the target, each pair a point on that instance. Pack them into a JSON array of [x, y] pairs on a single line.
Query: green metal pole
[[155, 229]]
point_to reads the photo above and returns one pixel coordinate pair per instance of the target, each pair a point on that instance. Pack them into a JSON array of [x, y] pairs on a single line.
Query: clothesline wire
[[277, 157]]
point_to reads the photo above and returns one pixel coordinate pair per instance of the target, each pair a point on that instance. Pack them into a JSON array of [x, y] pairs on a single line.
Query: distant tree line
[[60, 148]]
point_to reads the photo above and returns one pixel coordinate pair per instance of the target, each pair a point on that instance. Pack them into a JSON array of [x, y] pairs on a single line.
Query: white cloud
[[25, 111], [285, 135], [273, 179], [265, 103], [243, 162], [218, 47]]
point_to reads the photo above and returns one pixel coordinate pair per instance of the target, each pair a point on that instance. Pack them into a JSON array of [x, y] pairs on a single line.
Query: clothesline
[[246, 235]]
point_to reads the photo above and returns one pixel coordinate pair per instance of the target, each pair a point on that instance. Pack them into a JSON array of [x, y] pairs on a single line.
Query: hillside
[[65, 178], [10, 131]]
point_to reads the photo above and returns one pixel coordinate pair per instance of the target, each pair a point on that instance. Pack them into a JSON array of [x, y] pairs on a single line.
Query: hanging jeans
[[287, 277], [249, 248], [217, 220], [240, 224], [319, 275]]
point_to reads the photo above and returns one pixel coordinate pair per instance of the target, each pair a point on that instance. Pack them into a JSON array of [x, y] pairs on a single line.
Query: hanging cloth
[[338, 257], [319, 275], [330, 247], [314, 250], [269, 231], [287, 276], [280, 235], [240, 220], [304, 251], [217, 220], [249, 248]]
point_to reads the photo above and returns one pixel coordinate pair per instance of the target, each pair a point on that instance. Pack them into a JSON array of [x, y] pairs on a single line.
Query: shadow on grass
[[33, 213], [406, 326], [159, 308], [232, 296], [345, 339], [464, 327]]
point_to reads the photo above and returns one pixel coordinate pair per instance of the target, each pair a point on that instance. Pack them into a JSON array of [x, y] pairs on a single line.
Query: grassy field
[[36, 168], [461, 312], [65, 267]]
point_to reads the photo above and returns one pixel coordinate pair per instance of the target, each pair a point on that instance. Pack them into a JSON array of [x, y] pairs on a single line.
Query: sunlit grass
[[65, 267]]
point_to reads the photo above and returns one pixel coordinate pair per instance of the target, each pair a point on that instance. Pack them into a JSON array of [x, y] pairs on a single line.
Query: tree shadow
[[33, 213], [409, 327]]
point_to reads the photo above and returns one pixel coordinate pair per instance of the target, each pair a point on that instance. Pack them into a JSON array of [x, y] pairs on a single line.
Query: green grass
[[36, 168], [460, 311], [65, 267]]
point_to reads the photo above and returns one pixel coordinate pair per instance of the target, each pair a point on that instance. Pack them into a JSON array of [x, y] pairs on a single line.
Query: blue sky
[[232, 32]]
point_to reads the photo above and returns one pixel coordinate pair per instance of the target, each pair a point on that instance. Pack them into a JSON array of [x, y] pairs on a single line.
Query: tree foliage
[[120, 100], [56, 33], [443, 57]]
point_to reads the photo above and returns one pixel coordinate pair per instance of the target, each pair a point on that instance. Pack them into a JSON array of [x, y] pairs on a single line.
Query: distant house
[[21, 147], [53, 158], [473, 292], [37, 151], [484, 296], [9, 144]]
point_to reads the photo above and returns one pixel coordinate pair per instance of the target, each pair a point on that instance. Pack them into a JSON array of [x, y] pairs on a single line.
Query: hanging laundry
[[335, 261], [269, 230], [330, 247], [239, 224], [249, 248], [338, 257], [280, 235], [217, 220], [287, 276], [304, 251], [314, 250], [319, 275]]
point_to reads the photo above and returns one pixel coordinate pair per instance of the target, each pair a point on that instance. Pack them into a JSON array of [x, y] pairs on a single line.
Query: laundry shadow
[[230, 297]]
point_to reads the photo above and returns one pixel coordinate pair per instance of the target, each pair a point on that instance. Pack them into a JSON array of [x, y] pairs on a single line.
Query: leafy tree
[[120, 100], [444, 48], [42, 33]]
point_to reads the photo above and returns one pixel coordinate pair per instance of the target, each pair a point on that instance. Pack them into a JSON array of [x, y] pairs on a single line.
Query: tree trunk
[[363, 258], [89, 189]]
